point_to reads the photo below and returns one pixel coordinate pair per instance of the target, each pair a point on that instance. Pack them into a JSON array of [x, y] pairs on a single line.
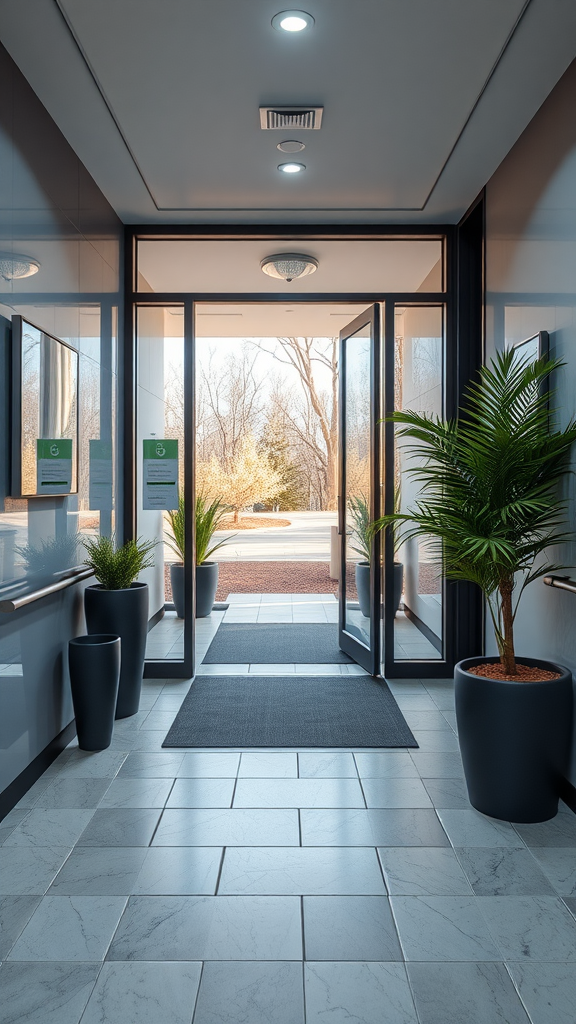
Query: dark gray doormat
[[289, 711], [263, 643]]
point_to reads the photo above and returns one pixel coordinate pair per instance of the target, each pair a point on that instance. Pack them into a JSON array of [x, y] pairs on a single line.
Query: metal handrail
[[561, 583], [12, 605]]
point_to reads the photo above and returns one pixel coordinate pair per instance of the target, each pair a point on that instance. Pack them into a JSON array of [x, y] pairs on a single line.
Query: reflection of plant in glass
[[116, 569], [489, 486], [208, 520], [54, 555], [360, 516]]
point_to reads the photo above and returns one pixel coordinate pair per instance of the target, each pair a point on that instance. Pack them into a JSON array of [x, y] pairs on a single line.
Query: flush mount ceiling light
[[13, 266], [292, 21], [291, 168], [290, 146], [286, 266]]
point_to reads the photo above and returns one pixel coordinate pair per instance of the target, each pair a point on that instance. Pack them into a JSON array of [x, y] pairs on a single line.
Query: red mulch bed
[[524, 673]]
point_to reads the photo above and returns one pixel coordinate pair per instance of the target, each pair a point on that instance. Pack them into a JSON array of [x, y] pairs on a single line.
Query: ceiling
[[265, 320], [422, 100]]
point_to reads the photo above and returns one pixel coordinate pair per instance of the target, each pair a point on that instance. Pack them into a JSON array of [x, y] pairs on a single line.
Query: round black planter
[[398, 584], [125, 613], [177, 584], [206, 587], [515, 740], [362, 577], [94, 663]]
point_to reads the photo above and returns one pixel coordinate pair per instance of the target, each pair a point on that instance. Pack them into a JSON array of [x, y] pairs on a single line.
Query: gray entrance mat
[[263, 643], [289, 711]]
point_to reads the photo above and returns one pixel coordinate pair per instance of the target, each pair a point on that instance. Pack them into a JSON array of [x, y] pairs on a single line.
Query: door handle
[[340, 516]]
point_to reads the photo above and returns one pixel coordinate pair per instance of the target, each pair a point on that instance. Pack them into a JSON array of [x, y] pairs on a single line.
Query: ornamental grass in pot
[[208, 519], [118, 605], [490, 494]]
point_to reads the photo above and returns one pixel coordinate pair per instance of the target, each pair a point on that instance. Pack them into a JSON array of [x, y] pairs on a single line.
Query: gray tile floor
[[280, 886]]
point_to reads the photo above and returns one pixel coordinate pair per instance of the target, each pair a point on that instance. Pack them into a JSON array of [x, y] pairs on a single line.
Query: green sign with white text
[[160, 474], [54, 465]]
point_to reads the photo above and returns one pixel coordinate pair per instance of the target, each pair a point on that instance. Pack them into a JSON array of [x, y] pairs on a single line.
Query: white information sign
[[160, 476]]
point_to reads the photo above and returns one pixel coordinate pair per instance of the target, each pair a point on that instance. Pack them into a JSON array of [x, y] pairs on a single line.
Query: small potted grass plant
[[118, 605], [208, 518], [360, 515], [490, 494]]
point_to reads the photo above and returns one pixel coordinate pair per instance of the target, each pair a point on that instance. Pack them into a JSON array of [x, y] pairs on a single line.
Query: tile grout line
[[197, 992], [220, 869]]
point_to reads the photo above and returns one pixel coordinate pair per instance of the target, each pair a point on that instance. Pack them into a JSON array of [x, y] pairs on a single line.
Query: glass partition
[[418, 578]]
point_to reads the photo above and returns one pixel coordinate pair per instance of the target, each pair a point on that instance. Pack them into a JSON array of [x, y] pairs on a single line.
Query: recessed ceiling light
[[291, 168], [290, 146], [292, 21]]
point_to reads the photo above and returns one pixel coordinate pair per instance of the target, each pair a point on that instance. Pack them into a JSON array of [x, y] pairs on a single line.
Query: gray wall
[[531, 286], [51, 210]]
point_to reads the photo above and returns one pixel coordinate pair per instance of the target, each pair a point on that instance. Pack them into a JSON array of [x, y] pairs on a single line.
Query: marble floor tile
[[145, 993], [209, 928], [301, 870], [238, 827], [423, 871], [141, 764], [203, 765], [150, 740], [448, 793], [101, 764], [437, 764], [548, 991], [70, 928], [426, 720], [388, 765], [503, 872], [73, 793], [137, 793], [298, 793], [49, 827], [29, 870], [15, 912], [179, 871], [415, 702], [560, 831], [14, 818], [268, 766], [121, 826], [442, 928], [350, 928], [31, 796], [395, 793], [359, 992], [471, 828], [559, 865], [530, 927], [158, 720], [436, 740], [99, 871], [201, 793], [250, 993], [466, 993], [375, 827], [45, 993], [327, 766]]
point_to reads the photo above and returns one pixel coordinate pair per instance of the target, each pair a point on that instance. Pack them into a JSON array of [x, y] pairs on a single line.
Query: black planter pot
[[515, 740], [125, 613], [94, 663], [362, 577], [398, 584], [177, 584], [206, 587]]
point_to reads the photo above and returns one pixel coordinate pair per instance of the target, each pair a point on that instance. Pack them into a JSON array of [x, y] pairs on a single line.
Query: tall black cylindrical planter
[[362, 579], [177, 584], [206, 587], [125, 613], [515, 740], [94, 663]]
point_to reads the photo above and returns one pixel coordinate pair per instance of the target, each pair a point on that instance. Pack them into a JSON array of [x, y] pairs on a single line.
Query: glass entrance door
[[359, 489]]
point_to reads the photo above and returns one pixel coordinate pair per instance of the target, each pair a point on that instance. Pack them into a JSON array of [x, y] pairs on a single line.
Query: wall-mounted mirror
[[44, 413]]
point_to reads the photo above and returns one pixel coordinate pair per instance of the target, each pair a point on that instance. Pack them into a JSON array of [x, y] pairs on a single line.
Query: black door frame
[[462, 608]]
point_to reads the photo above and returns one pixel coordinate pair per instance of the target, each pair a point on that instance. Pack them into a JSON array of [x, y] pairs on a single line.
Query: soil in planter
[[524, 673]]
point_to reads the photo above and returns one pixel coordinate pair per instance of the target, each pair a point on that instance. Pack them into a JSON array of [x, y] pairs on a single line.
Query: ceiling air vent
[[302, 118]]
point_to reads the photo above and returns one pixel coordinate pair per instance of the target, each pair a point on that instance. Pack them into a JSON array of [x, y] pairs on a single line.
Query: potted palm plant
[[489, 493], [118, 605], [360, 515], [208, 517]]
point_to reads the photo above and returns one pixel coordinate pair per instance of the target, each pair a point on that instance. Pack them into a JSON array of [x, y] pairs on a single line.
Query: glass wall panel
[[357, 483], [418, 386], [160, 419]]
